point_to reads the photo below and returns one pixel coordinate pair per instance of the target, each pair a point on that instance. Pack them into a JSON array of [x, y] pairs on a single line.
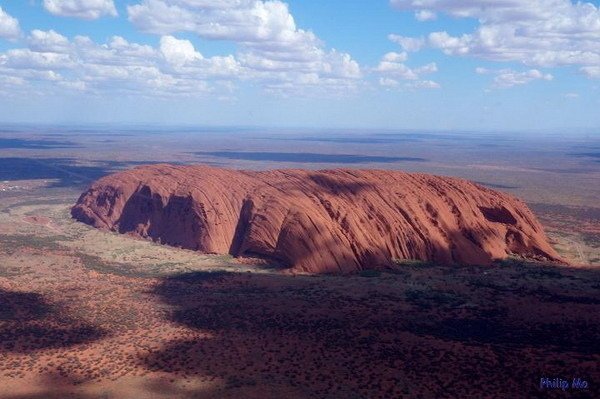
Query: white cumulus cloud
[[175, 67], [392, 69], [178, 52], [9, 26], [592, 72], [118, 66], [85, 9], [273, 49], [424, 84], [407, 43], [425, 15], [504, 78], [47, 41], [388, 82], [540, 33]]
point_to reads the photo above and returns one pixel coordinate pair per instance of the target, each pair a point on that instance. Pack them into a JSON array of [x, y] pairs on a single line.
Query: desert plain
[[92, 314]]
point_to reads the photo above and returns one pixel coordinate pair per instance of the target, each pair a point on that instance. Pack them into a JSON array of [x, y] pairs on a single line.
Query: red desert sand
[[339, 220]]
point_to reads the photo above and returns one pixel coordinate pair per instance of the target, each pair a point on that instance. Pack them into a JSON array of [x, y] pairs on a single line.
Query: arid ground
[[91, 314]]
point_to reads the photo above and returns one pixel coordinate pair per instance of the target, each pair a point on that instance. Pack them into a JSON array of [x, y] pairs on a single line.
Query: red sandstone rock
[[339, 220]]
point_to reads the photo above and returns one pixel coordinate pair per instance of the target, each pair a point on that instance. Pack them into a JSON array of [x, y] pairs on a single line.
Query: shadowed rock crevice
[[340, 220], [498, 215]]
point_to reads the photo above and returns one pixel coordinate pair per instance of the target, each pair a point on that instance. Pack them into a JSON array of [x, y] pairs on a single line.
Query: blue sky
[[398, 64]]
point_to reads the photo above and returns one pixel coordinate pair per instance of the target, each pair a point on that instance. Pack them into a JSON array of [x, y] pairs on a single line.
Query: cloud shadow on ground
[[11, 143], [67, 171], [28, 322], [306, 157], [293, 331]]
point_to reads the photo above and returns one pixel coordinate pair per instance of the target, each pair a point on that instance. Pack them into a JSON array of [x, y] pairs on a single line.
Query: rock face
[[339, 220]]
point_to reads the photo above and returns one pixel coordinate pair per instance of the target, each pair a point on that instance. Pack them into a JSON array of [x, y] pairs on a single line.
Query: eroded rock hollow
[[339, 220]]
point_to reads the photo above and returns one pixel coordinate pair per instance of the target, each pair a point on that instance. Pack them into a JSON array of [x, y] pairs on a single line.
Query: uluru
[[326, 221]]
